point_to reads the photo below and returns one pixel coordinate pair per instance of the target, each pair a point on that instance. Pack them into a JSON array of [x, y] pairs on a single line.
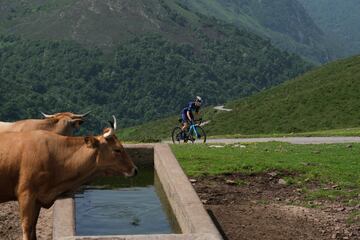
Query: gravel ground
[[10, 228]]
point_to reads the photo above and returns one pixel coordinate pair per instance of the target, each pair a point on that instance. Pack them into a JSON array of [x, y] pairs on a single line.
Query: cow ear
[[91, 142]]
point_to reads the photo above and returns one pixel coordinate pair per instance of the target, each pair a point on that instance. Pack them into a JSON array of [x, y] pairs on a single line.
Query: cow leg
[[36, 215], [29, 212]]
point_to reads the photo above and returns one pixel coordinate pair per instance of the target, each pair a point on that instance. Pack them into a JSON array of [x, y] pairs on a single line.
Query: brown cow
[[37, 167], [61, 123]]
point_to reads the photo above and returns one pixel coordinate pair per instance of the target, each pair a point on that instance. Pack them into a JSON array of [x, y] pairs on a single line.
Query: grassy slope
[[326, 165], [325, 98]]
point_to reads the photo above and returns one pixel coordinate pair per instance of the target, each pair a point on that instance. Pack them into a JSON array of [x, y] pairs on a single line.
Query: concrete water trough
[[190, 217]]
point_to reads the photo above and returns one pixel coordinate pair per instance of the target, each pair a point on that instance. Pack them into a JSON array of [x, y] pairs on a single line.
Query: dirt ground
[[10, 228], [243, 207], [263, 207]]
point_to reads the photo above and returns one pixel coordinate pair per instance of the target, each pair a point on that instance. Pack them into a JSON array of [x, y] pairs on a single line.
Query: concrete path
[[294, 140]]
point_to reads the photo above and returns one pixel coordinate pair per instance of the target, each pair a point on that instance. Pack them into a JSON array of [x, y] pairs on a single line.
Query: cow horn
[[112, 129], [109, 133], [115, 125], [47, 115], [82, 115]]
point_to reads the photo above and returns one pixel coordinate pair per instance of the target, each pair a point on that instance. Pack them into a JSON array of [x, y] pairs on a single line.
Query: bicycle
[[192, 133]]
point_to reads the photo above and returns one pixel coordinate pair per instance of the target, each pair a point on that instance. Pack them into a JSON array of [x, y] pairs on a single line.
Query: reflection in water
[[122, 210]]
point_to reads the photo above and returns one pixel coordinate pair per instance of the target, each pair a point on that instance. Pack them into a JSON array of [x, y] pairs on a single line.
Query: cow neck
[[34, 124], [79, 165]]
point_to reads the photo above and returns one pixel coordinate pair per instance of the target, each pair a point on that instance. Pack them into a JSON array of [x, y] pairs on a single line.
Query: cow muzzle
[[133, 173]]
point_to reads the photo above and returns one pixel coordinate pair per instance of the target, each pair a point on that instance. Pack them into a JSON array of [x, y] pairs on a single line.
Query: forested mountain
[[285, 22], [339, 19], [105, 23], [325, 98], [145, 76]]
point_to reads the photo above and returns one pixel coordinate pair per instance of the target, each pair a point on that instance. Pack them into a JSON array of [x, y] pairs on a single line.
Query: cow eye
[[117, 150]]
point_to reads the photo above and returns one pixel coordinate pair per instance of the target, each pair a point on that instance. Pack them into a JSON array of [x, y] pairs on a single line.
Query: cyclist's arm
[[188, 115]]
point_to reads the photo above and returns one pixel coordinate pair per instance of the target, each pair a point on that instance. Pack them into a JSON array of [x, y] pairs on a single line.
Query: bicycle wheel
[[176, 135], [198, 135]]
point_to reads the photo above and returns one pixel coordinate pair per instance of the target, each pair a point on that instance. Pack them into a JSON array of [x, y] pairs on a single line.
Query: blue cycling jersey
[[191, 107]]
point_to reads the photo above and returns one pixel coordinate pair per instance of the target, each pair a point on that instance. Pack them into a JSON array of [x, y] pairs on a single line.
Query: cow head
[[66, 122], [112, 157]]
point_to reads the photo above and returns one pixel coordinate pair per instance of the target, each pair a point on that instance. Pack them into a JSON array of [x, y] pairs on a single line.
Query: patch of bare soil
[[10, 226], [263, 207]]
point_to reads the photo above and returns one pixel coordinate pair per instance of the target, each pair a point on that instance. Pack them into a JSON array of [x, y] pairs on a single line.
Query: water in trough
[[118, 206]]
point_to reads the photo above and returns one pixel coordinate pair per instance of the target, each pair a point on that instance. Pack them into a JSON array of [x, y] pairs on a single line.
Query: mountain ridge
[[286, 23]]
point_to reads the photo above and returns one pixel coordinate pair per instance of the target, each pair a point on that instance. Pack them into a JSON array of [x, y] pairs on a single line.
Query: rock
[[204, 201], [216, 146], [230, 182], [349, 146], [340, 209], [192, 180], [282, 182], [239, 145], [278, 199], [135, 221], [273, 174]]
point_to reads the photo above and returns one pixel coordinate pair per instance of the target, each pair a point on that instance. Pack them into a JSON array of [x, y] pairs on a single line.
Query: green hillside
[[325, 98], [285, 22], [339, 19], [96, 23], [145, 77]]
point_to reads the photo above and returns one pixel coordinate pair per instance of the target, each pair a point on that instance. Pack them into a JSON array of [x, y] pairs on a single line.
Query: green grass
[[326, 165], [354, 217]]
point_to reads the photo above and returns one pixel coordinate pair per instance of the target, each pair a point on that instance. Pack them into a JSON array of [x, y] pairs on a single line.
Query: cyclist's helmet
[[198, 101]]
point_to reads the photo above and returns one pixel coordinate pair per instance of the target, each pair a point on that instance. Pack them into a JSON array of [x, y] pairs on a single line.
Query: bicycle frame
[[193, 128]]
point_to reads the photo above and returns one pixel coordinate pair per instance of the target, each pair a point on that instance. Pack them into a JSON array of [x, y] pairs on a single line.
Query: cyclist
[[187, 115]]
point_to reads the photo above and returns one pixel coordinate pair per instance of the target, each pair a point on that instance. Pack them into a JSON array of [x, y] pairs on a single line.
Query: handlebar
[[198, 121]]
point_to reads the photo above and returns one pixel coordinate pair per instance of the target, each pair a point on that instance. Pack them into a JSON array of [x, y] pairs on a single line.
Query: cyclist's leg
[[184, 122]]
